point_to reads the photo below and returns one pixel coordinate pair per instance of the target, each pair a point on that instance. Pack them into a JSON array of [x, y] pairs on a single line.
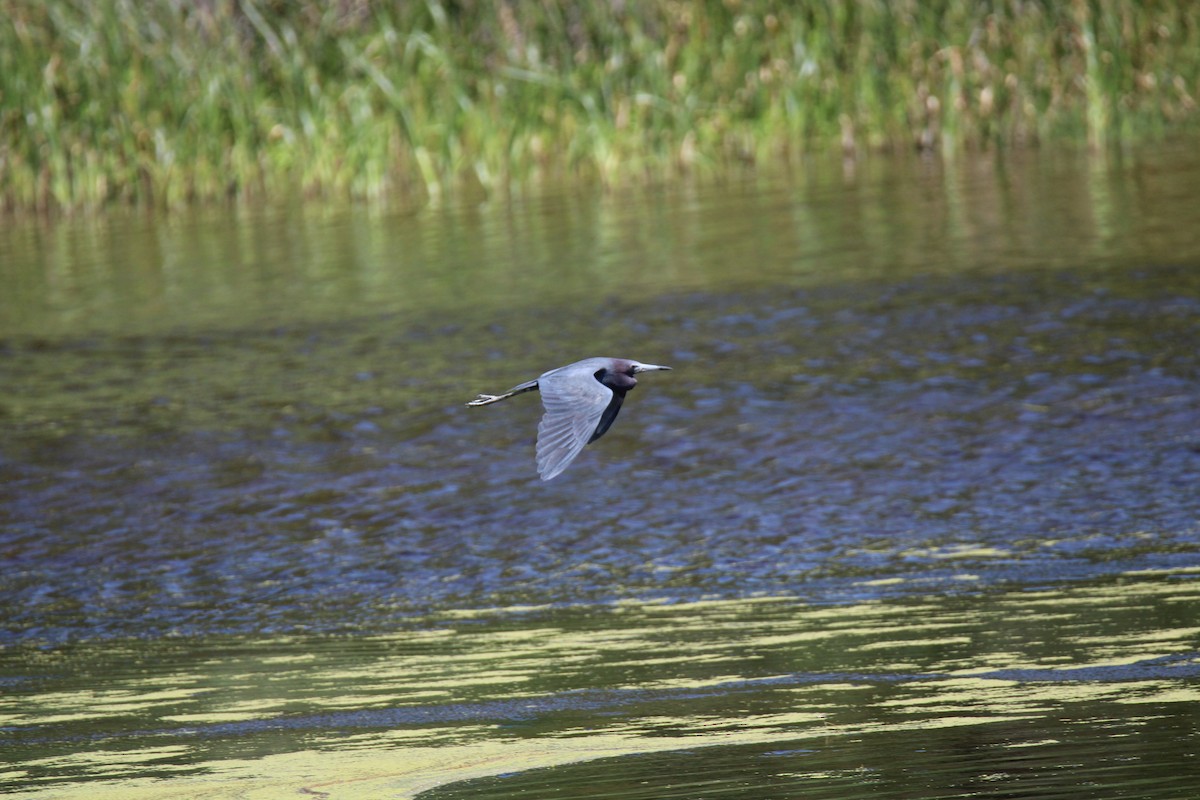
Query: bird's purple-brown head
[[619, 375]]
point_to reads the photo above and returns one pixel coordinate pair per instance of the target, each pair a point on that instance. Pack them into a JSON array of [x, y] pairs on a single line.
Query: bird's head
[[637, 367], [619, 375]]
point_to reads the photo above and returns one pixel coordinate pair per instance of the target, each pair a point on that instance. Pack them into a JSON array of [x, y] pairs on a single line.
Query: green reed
[[172, 101]]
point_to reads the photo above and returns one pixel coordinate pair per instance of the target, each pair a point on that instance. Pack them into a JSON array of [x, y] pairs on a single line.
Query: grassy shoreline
[[168, 103]]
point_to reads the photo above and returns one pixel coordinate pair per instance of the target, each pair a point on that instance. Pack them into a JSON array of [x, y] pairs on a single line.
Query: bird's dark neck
[[610, 414], [620, 383]]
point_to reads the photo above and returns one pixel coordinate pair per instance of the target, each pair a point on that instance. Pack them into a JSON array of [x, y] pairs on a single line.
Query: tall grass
[[174, 101]]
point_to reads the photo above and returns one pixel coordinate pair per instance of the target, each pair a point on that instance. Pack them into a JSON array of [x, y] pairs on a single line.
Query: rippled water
[[915, 515]]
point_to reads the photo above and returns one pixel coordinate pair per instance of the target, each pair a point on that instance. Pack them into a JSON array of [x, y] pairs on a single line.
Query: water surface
[[915, 514]]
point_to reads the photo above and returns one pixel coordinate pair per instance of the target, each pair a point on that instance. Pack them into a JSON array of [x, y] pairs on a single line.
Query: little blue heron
[[581, 401]]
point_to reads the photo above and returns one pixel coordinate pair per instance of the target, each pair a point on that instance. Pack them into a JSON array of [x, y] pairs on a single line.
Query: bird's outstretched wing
[[574, 401]]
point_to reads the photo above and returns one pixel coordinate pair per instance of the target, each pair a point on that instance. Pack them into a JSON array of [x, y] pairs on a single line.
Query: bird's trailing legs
[[485, 399]]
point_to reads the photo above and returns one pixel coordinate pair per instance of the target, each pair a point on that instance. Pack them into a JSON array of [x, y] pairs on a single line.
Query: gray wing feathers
[[573, 410]]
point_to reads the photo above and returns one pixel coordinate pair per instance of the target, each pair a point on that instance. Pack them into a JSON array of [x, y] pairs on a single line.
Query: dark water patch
[[1011, 759]]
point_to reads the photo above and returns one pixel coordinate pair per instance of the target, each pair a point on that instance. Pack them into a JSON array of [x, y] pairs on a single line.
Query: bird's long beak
[[649, 367]]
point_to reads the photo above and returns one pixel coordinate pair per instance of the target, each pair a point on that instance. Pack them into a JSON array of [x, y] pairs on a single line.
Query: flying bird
[[581, 402]]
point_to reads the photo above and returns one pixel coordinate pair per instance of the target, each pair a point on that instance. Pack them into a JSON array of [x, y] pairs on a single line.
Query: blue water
[[804, 439]]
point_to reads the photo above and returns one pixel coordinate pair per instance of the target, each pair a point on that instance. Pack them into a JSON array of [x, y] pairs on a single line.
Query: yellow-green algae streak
[[883, 668]]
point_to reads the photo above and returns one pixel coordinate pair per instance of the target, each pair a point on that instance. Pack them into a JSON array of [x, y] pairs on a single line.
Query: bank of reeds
[[173, 101]]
